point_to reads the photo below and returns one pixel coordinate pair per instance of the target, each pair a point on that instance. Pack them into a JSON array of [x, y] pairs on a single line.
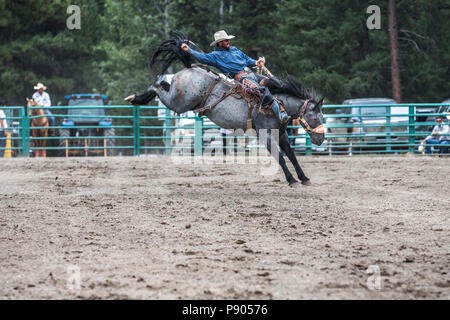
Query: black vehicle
[[86, 122]]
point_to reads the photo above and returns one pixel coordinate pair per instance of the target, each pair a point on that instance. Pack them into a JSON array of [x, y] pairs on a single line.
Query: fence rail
[[143, 130]]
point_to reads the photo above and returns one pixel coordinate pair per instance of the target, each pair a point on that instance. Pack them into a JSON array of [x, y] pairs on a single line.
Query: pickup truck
[[366, 128]]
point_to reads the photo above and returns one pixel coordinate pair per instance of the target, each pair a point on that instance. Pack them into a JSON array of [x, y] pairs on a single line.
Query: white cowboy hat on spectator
[[220, 36], [40, 86]]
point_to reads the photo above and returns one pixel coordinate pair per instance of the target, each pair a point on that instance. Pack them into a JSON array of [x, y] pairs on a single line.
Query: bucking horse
[[201, 90]]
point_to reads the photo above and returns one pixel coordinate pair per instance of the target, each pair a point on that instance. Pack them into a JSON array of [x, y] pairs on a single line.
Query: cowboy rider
[[43, 99], [234, 63]]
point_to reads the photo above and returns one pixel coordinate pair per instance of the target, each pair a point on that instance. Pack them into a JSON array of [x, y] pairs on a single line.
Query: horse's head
[[309, 112], [31, 103], [311, 119]]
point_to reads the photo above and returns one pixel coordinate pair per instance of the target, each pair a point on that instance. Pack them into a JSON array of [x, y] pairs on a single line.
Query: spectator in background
[[43, 99], [3, 130], [438, 136]]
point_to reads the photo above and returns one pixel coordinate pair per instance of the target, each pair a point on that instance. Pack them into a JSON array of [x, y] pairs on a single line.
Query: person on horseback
[[235, 64], [43, 99]]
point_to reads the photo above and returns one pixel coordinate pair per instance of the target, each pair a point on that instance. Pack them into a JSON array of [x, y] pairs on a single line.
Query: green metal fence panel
[[99, 134], [25, 133], [144, 130], [411, 128], [137, 137], [196, 137], [198, 142], [392, 133], [17, 127]]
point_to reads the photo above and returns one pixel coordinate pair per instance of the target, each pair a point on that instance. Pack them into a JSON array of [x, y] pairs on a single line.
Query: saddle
[[247, 90]]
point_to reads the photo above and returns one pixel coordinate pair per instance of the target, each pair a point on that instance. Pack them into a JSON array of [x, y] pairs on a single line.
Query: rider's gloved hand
[[184, 47], [260, 63]]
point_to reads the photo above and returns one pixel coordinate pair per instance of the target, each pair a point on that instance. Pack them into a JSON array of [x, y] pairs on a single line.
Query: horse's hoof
[[294, 184], [130, 99], [306, 182]]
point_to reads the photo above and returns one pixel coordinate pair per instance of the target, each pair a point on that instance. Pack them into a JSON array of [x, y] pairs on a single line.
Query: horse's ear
[[319, 104]]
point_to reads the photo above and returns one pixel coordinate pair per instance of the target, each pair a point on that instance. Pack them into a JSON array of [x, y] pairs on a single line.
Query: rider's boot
[[282, 115]]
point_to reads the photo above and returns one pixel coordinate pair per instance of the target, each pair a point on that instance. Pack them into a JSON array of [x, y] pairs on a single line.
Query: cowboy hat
[[40, 86], [220, 36]]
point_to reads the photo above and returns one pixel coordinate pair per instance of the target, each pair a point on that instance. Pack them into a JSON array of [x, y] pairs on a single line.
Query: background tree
[[36, 46], [393, 42], [325, 43]]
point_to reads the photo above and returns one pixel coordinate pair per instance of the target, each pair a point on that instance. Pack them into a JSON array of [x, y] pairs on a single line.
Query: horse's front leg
[[272, 146], [286, 147], [44, 142], [35, 143]]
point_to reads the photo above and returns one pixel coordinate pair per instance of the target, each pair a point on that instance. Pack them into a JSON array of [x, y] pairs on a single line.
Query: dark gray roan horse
[[193, 87]]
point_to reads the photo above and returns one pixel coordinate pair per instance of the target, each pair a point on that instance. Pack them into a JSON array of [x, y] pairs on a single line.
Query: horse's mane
[[290, 86]]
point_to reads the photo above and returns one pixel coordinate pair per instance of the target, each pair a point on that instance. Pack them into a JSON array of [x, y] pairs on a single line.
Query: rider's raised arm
[[250, 62], [206, 58]]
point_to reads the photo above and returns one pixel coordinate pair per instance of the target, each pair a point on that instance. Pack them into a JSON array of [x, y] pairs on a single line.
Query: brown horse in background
[[295, 123], [40, 121]]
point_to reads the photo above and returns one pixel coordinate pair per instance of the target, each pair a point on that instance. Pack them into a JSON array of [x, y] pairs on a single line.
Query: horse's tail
[[169, 52]]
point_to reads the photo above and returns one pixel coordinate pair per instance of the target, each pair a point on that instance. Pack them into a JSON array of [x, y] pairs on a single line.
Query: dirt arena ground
[[149, 228]]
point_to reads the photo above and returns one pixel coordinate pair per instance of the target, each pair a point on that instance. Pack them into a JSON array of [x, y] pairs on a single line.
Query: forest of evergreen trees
[[326, 43]]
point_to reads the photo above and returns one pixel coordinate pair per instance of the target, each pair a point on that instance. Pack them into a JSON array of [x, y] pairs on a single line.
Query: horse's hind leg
[[271, 142], [40, 151], [144, 98], [286, 147], [35, 143], [44, 143], [37, 152]]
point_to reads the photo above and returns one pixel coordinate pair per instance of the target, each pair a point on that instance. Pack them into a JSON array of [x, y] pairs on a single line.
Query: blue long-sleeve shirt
[[230, 61]]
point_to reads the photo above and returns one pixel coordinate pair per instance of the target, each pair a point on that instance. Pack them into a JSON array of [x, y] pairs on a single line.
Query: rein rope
[[264, 69]]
